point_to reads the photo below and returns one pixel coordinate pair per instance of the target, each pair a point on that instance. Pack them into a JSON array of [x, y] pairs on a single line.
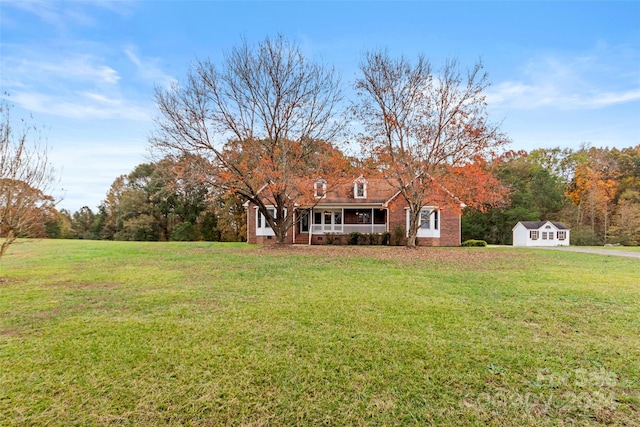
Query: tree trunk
[[8, 240], [412, 233], [281, 232]]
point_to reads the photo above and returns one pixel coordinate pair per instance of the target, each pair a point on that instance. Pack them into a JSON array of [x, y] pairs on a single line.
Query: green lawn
[[100, 333], [620, 248]]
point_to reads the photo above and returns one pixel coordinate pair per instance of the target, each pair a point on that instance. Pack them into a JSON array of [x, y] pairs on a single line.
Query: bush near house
[[472, 242]]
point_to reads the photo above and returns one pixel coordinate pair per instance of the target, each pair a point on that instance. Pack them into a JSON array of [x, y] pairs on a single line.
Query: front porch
[[342, 221]]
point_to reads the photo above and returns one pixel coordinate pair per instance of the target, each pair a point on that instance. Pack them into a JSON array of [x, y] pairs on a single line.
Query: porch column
[[373, 222], [387, 212], [310, 225]]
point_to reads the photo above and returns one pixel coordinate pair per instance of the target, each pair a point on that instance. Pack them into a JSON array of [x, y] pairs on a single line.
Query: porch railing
[[348, 228]]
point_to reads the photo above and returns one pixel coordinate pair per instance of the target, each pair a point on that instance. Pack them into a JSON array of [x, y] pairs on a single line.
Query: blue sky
[[562, 73]]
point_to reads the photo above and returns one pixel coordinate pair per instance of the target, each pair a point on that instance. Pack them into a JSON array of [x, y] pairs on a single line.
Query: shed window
[[533, 234]]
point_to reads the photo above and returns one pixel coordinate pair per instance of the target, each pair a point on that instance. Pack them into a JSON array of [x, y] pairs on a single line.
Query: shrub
[[385, 238], [374, 239], [354, 238], [472, 242], [363, 239], [398, 235]]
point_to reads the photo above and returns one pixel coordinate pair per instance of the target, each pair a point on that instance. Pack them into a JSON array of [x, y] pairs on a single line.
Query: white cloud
[[149, 68], [71, 85], [83, 67], [528, 96], [612, 98], [101, 98], [81, 105], [63, 14], [597, 79]]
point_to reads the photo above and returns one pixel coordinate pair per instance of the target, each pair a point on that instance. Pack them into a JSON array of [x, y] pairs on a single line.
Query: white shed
[[540, 233]]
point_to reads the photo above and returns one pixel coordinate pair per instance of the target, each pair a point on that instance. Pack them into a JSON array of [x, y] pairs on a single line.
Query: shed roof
[[535, 225]]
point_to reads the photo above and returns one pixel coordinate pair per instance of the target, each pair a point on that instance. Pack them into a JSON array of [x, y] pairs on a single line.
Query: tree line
[[167, 200], [596, 191]]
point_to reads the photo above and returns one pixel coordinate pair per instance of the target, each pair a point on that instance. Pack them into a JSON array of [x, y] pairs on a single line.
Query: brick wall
[[449, 226], [251, 224]]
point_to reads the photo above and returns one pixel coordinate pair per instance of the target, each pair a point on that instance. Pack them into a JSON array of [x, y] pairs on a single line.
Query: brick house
[[366, 206]]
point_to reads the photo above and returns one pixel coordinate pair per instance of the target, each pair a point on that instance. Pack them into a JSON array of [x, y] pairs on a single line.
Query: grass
[[205, 334], [620, 248]]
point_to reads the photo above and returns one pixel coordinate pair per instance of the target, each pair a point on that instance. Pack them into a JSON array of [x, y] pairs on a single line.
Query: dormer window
[[360, 188], [320, 188]]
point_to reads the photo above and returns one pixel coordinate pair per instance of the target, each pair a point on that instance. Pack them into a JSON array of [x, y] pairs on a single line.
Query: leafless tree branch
[[26, 175]]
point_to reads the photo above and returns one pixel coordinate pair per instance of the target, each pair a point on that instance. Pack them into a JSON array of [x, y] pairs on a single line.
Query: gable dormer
[[360, 188]]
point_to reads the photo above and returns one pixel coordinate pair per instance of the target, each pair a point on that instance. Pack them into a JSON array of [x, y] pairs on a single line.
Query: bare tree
[[423, 126], [26, 175], [263, 119]]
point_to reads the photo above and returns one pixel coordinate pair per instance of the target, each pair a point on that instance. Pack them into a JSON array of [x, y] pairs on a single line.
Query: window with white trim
[[562, 235], [429, 222], [320, 188], [262, 225], [533, 234], [544, 235], [360, 189], [429, 219]]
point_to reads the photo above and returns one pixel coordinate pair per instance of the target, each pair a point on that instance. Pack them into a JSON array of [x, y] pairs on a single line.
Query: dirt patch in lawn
[[5, 281], [86, 285], [433, 255]]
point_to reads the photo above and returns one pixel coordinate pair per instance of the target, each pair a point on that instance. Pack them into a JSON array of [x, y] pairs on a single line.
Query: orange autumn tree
[[476, 182], [266, 119], [594, 188], [424, 126]]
